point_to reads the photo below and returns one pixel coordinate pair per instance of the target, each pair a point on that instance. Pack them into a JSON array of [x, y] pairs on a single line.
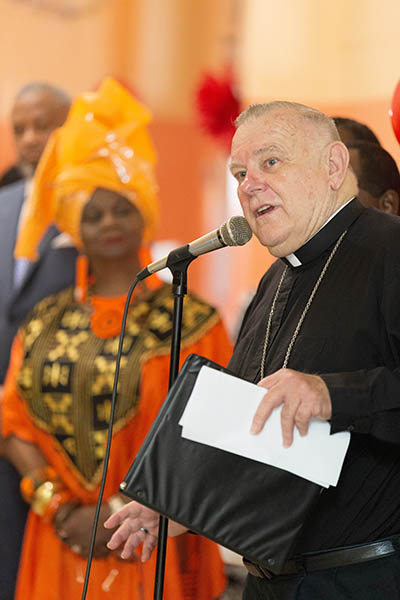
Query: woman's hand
[[136, 524], [74, 524]]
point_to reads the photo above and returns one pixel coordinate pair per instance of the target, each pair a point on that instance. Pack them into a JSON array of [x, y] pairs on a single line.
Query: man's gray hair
[[59, 95], [254, 111]]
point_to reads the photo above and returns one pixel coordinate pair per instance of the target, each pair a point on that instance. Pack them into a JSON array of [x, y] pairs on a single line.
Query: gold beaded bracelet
[[43, 489]]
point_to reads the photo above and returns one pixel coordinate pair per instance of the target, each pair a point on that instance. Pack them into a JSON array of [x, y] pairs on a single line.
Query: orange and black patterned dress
[[58, 396]]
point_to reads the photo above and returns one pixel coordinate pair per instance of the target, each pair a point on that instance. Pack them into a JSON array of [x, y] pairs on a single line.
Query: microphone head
[[236, 231]]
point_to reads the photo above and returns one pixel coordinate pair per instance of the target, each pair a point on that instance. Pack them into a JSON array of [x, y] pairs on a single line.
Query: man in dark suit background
[[39, 108]]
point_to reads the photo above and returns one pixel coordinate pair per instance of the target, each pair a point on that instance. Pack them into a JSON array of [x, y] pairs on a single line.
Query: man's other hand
[[136, 524]]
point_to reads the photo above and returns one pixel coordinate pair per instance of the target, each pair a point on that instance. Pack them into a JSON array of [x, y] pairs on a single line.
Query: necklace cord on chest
[[303, 314]]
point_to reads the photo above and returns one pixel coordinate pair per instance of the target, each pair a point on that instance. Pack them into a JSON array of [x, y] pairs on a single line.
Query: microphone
[[234, 232]]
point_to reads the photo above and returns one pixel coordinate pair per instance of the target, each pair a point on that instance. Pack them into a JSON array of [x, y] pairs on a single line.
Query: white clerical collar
[[293, 259]]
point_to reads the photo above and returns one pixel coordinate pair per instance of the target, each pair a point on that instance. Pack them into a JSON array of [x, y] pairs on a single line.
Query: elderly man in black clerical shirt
[[322, 335]]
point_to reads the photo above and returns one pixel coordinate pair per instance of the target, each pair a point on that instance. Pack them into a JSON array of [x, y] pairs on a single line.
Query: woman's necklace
[[303, 314], [106, 313]]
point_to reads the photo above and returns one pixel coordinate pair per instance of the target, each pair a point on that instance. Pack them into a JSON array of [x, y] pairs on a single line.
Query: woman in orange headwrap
[[95, 182]]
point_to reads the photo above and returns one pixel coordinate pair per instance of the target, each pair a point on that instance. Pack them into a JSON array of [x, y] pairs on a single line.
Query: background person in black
[[376, 171], [322, 335], [377, 175], [37, 110], [351, 131]]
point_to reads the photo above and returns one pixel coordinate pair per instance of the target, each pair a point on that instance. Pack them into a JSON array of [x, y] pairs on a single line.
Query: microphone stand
[[179, 289]]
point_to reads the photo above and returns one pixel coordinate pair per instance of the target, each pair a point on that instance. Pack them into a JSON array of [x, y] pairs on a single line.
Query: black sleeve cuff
[[351, 404]]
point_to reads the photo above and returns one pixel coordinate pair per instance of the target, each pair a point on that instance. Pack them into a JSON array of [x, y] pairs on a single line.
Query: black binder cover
[[254, 509]]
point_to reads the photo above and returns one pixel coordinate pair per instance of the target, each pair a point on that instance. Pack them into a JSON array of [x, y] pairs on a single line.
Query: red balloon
[[395, 112]]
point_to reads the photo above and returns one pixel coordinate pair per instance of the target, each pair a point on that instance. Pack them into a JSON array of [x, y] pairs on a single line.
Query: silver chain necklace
[[303, 314]]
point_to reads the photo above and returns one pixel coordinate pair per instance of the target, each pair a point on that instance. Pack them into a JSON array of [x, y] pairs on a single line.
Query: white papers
[[219, 413]]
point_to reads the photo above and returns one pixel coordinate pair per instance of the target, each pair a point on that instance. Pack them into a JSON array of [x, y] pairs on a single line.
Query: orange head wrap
[[104, 143]]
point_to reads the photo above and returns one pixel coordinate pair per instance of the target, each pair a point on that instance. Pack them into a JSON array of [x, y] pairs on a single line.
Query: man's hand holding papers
[[221, 409], [303, 397]]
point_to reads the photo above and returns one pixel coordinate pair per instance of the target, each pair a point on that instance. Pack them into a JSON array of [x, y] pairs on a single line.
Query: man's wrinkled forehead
[[282, 127], [286, 122], [36, 101]]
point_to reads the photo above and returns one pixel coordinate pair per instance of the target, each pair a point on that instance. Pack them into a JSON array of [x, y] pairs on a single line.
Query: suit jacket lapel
[[10, 209], [44, 245]]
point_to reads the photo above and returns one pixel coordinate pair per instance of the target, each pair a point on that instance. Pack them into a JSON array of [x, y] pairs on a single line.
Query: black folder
[[254, 509]]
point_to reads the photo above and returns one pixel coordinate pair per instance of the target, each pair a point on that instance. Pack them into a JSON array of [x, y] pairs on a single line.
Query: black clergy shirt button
[[350, 428]]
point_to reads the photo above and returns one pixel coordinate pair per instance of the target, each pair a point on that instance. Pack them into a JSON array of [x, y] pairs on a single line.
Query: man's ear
[[389, 202], [338, 162]]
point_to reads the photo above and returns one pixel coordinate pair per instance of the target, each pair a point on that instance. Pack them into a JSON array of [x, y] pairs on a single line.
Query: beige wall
[[36, 44], [340, 56], [331, 51]]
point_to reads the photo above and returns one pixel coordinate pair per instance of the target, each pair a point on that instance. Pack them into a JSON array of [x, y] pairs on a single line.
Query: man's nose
[[30, 136], [252, 184]]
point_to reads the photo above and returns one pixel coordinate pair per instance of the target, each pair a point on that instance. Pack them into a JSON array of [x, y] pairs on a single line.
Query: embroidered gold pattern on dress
[[61, 423], [68, 345], [104, 380], [72, 363], [25, 376], [75, 320], [33, 329], [60, 404], [104, 411], [56, 374]]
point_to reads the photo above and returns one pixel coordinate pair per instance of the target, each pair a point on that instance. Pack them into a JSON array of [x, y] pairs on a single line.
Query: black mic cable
[[109, 439]]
